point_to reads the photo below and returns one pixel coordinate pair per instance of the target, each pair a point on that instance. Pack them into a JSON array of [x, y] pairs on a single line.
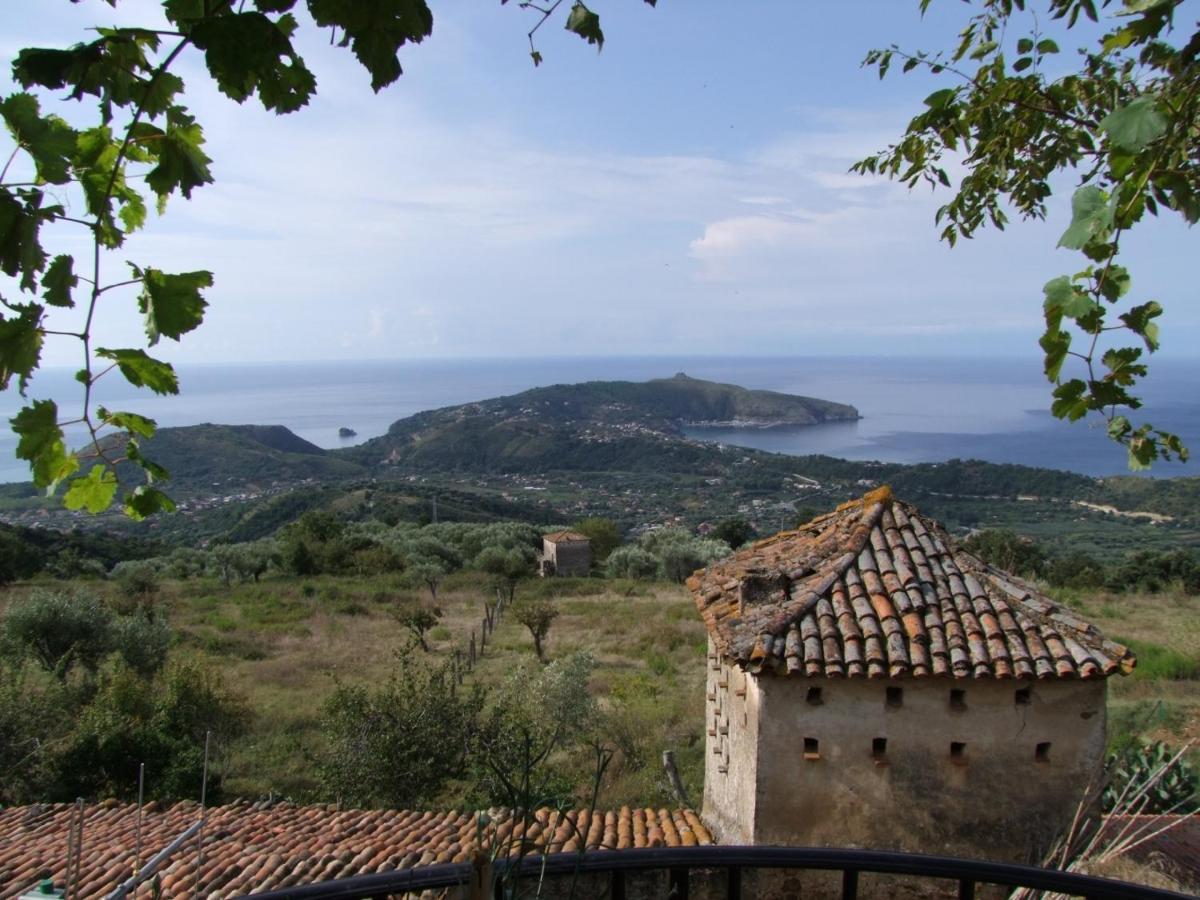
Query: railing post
[[966, 889], [617, 885], [733, 886], [850, 884], [677, 884]]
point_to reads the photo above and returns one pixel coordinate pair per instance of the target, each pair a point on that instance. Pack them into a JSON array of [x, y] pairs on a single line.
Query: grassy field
[[286, 642]]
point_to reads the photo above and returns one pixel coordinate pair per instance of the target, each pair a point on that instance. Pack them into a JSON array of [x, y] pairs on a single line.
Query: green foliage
[[603, 534], [1150, 571], [1125, 117], [60, 630], [398, 745], [1146, 770], [418, 619], [1156, 662], [679, 552], [137, 580], [534, 719], [537, 614], [507, 566], [632, 562], [159, 147], [142, 639], [1007, 550], [735, 532], [162, 722], [32, 712]]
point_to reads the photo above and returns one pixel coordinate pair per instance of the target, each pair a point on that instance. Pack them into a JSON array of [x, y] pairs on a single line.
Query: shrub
[[142, 639], [137, 580], [33, 712], [399, 745], [60, 630], [519, 757], [632, 562], [1007, 550], [161, 722]]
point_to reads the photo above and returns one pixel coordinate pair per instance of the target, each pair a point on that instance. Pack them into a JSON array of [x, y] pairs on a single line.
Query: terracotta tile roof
[[561, 537], [875, 589], [256, 847]]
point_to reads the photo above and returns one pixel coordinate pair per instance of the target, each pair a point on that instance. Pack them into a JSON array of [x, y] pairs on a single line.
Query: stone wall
[[570, 558], [991, 772], [731, 758]]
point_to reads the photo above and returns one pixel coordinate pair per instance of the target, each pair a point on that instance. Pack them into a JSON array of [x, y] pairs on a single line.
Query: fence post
[[471, 662]]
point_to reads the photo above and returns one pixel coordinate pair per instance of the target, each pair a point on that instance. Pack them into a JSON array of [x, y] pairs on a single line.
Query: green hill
[[597, 425], [204, 457]]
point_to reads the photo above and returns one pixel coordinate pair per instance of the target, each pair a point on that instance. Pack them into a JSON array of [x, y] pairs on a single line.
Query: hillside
[[597, 425], [203, 457]]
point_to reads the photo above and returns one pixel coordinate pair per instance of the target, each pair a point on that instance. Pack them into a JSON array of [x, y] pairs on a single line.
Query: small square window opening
[[1023, 696], [1042, 753], [879, 749], [895, 697], [812, 749], [958, 699], [815, 696], [958, 751]]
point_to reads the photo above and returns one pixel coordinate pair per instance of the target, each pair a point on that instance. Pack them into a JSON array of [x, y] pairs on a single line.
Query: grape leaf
[[41, 443], [182, 165], [145, 501], [142, 370], [48, 139], [59, 280], [586, 24], [20, 346], [246, 52], [95, 490], [376, 31], [128, 421], [172, 304]]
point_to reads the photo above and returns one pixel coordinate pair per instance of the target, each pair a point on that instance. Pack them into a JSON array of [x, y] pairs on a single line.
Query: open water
[[914, 409]]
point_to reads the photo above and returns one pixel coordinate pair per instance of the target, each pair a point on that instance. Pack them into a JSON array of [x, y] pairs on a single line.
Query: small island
[[345, 432]]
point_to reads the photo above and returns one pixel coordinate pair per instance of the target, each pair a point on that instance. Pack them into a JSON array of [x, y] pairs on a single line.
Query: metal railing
[[679, 861]]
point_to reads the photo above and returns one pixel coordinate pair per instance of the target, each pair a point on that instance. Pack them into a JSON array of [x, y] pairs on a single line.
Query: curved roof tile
[[874, 589]]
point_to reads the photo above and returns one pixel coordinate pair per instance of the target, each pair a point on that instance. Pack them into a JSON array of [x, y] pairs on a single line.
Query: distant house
[[566, 553], [871, 685]]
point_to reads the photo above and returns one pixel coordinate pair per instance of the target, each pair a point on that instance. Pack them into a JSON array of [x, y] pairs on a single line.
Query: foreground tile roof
[[250, 848], [875, 589]]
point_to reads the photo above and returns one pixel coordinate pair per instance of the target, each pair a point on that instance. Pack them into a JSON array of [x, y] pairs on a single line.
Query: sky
[[684, 191]]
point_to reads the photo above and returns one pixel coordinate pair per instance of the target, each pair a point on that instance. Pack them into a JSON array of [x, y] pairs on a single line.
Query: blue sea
[[913, 409]]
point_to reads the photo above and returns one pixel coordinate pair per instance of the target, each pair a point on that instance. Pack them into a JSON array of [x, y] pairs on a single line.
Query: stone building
[[871, 685], [566, 553]]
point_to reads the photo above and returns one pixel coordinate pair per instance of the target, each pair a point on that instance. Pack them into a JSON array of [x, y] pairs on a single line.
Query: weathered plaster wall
[[998, 799], [731, 756], [569, 557]]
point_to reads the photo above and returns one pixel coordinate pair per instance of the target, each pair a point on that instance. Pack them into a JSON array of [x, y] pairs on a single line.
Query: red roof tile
[[875, 589], [250, 848], [566, 537]]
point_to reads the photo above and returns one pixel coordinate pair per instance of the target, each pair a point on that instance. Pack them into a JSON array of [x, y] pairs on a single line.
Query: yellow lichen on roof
[[874, 589]]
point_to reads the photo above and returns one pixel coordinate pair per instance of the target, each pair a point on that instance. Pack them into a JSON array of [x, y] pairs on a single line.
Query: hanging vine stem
[[97, 290]]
